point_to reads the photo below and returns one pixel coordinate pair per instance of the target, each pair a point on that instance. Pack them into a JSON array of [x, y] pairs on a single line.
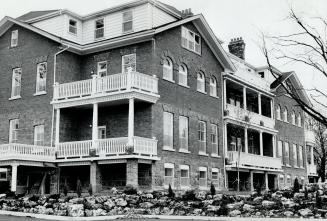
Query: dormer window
[[191, 41], [127, 21], [14, 38], [99, 28], [72, 26]]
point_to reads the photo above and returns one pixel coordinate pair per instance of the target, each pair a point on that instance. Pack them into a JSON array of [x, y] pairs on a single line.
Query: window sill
[[295, 166], [40, 93], [215, 155], [168, 149], [203, 154], [127, 32], [287, 165], [15, 98], [202, 92], [184, 151], [214, 96], [171, 81], [183, 85]]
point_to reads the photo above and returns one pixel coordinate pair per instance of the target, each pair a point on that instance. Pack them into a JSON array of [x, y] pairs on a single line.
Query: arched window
[[201, 82], [278, 113], [213, 86], [293, 118], [285, 115], [167, 69], [299, 120], [182, 75]]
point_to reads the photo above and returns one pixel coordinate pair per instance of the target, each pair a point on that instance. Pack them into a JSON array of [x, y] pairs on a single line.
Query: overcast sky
[[227, 18]]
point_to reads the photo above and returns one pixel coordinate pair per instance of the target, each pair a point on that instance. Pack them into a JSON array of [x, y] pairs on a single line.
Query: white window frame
[[295, 159], [168, 130], [214, 142], [72, 29], [98, 30], [281, 184], [14, 38], [100, 71], [187, 178], [182, 75], [13, 130], [167, 70], [200, 82], [102, 132], [287, 153], [202, 137], [125, 66], [280, 149], [203, 182], [41, 84], [188, 40], [285, 115], [183, 133], [169, 178], [300, 158], [124, 21], [39, 135], [293, 118], [278, 112], [213, 87], [16, 86], [299, 120]]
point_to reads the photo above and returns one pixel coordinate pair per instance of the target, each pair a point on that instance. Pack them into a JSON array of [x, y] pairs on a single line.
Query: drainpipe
[[54, 81]]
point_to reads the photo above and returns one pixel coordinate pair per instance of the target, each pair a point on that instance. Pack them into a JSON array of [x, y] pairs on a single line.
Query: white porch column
[[266, 181], [259, 103], [272, 109], [13, 187], [130, 121], [244, 98], [57, 127], [95, 125], [225, 139], [261, 144], [251, 181], [274, 146], [225, 94], [246, 144]]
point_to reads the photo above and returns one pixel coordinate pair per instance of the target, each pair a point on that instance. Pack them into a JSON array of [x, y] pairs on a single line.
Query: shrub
[[189, 195], [130, 190], [306, 193], [79, 188], [90, 190], [170, 192], [212, 189], [296, 187]]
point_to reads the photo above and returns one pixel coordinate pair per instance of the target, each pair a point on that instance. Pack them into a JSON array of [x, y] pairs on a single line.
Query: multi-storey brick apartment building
[[138, 94]]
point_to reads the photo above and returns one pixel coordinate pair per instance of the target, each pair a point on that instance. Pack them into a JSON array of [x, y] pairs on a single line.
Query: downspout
[[223, 121], [54, 81]]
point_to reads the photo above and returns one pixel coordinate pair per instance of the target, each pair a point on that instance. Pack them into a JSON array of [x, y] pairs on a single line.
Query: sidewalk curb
[[159, 217]]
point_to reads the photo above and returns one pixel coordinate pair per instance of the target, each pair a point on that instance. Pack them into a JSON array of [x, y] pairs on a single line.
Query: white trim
[[215, 170], [185, 167], [3, 169], [203, 169], [169, 165]]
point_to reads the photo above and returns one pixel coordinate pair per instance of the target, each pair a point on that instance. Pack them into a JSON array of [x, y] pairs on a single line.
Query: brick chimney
[[187, 13], [237, 47]]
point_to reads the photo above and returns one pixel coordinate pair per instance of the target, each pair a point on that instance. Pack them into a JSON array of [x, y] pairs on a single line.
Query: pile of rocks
[[195, 203]]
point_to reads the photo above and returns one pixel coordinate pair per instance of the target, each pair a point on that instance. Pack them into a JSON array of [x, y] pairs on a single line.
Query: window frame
[[300, 157], [172, 167], [4, 171], [12, 130], [13, 81], [14, 38], [100, 71], [202, 134], [37, 141], [295, 155], [183, 74], [187, 168], [37, 91], [126, 21], [97, 29], [168, 69], [133, 66], [278, 113], [285, 115], [205, 179], [183, 120], [200, 82], [102, 128], [299, 120], [188, 37], [213, 87], [168, 124], [214, 145], [287, 153], [72, 27], [293, 121]]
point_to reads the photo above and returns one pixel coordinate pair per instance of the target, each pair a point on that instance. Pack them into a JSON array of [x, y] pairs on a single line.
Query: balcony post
[[244, 98], [95, 125], [129, 78], [246, 144], [259, 103], [57, 135], [56, 91], [261, 144], [274, 146], [272, 108], [13, 186], [266, 181], [130, 121], [94, 83]]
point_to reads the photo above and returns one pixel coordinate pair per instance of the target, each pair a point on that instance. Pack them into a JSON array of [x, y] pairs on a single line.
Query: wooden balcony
[[106, 148], [108, 88], [25, 152], [253, 161]]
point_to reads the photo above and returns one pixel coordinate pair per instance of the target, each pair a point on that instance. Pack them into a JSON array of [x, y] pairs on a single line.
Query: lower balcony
[[25, 152], [253, 161], [106, 148]]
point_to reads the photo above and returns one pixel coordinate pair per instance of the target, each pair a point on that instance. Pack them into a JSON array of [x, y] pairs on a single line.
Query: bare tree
[[307, 46]]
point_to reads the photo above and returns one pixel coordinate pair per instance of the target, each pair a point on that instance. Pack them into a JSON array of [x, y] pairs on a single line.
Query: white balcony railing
[[254, 161], [14, 151], [108, 84], [104, 147], [312, 169], [239, 113]]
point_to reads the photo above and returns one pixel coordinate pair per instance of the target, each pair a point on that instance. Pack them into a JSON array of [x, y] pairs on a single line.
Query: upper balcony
[[310, 136], [109, 88], [312, 170]]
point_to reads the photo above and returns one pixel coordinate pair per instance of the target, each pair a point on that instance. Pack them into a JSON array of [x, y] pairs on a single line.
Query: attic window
[[191, 41], [99, 28], [127, 21], [14, 38], [262, 74], [72, 26]]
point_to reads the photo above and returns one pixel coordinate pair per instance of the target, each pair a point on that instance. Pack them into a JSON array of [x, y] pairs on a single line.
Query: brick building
[[135, 94]]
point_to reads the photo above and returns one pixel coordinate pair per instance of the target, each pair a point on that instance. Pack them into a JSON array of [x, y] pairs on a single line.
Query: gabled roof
[[35, 14]]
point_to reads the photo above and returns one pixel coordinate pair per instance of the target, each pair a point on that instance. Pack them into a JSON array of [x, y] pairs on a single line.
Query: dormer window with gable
[[99, 28], [127, 21], [191, 41], [14, 38], [72, 26]]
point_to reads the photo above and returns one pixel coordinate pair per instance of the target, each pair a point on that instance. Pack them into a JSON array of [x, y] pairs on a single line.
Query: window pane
[[41, 77], [169, 172], [183, 132], [16, 82], [184, 173], [168, 129], [129, 61]]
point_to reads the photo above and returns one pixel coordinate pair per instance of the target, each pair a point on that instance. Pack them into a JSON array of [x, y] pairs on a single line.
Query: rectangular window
[[280, 150], [295, 163], [99, 28], [301, 164], [102, 69], [191, 41], [72, 26], [128, 61], [288, 180], [16, 82], [169, 174], [183, 132], [3, 174], [127, 21], [168, 130], [287, 153], [202, 177], [41, 78], [39, 135], [185, 175], [281, 181], [102, 132], [214, 139], [202, 137], [13, 130], [14, 38]]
